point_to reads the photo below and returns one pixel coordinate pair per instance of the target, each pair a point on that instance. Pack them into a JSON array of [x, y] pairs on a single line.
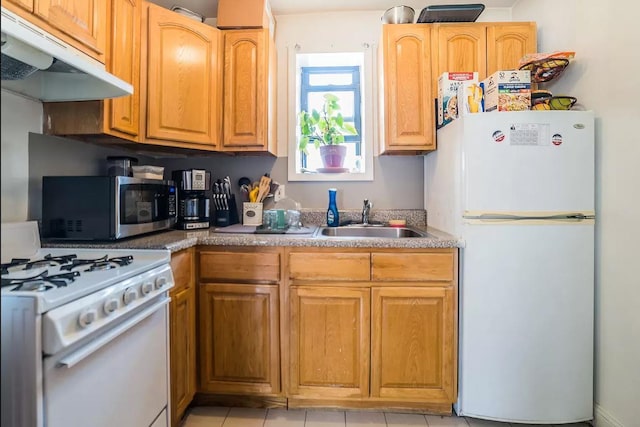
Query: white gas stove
[[76, 318]]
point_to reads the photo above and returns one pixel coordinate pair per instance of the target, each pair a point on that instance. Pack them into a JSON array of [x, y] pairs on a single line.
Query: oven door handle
[[76, 357]]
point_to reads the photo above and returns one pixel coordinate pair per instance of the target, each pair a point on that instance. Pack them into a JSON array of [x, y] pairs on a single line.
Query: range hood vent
[[41, 66]]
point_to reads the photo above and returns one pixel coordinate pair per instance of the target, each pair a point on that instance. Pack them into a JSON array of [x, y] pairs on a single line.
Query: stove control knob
[[87, 317], [129, 295], [110, 306], [161, 282], [146, 288]]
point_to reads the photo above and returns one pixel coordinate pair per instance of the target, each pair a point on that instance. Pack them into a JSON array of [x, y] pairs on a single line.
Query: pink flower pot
[[333, 155]]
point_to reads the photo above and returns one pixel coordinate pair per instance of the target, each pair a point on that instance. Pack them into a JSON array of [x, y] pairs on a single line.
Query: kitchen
[[597, 32]]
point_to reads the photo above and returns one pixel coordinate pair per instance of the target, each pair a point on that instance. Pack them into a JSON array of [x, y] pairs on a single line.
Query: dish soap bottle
[[333, 219]]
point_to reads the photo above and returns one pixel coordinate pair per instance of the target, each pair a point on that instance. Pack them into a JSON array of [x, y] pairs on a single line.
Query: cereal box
[[507, 91], [448, 94], [469, 98]]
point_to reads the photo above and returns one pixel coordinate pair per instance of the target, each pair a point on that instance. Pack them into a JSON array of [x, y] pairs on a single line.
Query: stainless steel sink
[[370, 231]]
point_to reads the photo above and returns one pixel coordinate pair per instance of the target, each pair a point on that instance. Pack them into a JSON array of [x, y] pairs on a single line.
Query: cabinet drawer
[[412, 266], [240, 266], [329, 266]]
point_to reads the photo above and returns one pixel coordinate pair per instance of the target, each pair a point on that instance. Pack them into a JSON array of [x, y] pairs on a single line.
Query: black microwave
[[105, 207]]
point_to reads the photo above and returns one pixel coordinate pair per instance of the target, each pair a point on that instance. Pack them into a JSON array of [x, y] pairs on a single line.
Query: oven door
[[119, 378]]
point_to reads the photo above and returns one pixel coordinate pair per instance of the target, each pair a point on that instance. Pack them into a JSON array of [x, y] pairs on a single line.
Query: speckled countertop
[[176, 240]]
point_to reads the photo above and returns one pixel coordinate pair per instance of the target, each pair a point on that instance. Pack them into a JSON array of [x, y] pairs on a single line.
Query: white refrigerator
[[518, 189]]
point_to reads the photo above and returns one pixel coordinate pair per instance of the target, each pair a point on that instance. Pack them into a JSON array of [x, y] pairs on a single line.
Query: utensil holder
[[226, 211], [252, 213]]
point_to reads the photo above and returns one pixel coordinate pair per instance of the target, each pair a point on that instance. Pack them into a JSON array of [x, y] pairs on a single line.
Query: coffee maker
[[194, 203]]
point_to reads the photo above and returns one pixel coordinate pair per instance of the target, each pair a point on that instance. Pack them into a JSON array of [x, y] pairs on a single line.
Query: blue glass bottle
[[333, 219]]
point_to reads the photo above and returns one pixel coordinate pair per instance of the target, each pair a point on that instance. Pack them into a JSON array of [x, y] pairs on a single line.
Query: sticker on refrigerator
[[529, 134], [498, 136], [556, 139]]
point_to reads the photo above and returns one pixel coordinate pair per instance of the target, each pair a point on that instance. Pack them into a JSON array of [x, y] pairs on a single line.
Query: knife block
[[229, 215]]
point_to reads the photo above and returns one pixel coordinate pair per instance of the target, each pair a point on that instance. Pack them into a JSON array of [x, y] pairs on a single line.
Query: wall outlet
[[279, 194]]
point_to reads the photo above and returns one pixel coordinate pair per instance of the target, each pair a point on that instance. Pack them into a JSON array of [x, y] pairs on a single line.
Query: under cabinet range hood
[[41, 66]]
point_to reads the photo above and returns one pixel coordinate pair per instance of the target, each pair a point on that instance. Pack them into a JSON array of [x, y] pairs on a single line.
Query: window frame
[[368, 120]]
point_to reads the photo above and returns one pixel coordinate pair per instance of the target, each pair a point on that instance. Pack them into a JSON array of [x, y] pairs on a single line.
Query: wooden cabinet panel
[[247, 55], [408, 266], [239, 339], [329, 266], [329, 341], [408, 105], [182, 71], [183, 352], [182, 323], [24, 4], [461, 47], [183, 268], [507, 43], [413, 344], [240, 266], [123, 60], [83, 20]]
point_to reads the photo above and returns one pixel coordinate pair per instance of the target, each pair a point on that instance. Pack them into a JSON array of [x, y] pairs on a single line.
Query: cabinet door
[[413, 344], [83, 20], [329, 341], [408, 102], [246, 74], [239, 339], [460, 47], [182, 67], [183, 351], [123, 59], [507, 43]]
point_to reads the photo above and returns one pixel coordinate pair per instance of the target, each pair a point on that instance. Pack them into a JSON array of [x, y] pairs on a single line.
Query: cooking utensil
[[263, 188], [398, 15]]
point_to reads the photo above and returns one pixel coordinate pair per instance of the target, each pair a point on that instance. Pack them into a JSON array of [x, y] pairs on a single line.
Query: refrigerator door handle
[[503, 217]]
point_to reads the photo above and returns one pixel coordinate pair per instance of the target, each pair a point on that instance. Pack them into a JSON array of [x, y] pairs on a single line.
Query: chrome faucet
[[365, 211]]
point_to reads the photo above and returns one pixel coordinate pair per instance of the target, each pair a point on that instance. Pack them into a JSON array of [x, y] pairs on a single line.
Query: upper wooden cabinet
[[482, 47], [24, 4], [81, 23], [408, 118], [181, 80], [249, 91], [118, 117]]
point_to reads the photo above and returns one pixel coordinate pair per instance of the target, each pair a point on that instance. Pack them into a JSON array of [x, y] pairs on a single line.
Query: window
[[343, 82], [347, 76]]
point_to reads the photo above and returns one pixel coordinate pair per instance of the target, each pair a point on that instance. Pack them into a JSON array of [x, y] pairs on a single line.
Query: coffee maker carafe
[[194, 203]]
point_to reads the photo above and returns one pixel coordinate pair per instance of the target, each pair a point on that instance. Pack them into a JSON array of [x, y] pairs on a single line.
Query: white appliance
[[518, 189], [84, 334], [41, 66]]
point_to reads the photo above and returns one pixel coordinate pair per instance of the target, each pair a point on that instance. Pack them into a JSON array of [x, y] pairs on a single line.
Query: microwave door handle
[[78, 356]]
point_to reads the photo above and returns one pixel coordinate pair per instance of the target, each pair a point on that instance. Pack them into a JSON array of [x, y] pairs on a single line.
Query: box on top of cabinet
[[508, 90], [245, 14], [448, 84]]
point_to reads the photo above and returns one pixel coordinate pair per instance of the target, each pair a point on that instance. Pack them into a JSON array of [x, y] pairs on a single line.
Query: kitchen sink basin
[[376, 232]]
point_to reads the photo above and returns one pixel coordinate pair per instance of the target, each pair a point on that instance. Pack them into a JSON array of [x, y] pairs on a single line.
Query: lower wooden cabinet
[[412, 343], [239, 320], [182, 327], [239, 345], [329, 342], [384, 339]]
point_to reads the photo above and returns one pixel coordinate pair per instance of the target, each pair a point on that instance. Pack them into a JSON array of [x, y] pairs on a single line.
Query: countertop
[[176, 240]]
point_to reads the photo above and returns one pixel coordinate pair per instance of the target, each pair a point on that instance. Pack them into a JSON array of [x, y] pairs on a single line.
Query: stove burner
[[37, 282], [47, 260], [102, 263]]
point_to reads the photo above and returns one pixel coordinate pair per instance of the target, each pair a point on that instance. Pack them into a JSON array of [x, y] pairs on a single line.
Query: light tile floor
[[248, 417]]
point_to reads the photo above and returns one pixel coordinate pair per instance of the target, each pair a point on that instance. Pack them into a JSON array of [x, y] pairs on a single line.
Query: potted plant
[[326, 130]]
